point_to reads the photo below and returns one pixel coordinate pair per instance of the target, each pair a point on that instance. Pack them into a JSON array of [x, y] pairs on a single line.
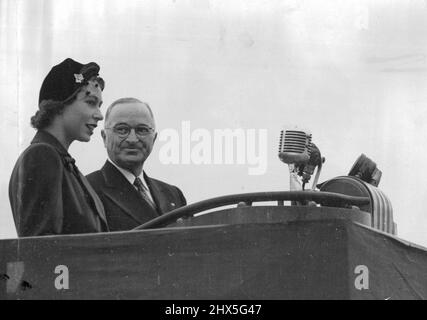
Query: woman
[[48, 194]]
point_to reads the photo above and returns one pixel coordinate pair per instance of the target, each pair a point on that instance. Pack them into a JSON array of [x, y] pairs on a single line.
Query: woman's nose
[[98, 115]]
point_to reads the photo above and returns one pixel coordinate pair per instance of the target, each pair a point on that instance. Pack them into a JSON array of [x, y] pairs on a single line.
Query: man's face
[[129, 150]]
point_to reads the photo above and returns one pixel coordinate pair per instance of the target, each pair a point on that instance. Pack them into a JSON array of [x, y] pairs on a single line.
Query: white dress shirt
[[131, 178]]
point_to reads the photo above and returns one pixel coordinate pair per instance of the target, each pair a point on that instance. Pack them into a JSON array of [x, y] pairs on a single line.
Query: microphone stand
[[294, 183], [316, 178]]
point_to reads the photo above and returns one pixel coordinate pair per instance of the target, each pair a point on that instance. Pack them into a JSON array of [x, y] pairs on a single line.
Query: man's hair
[[126, 100], [49, 109]]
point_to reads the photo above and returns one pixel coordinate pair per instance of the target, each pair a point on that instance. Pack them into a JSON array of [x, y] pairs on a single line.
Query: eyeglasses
[[123, 131]]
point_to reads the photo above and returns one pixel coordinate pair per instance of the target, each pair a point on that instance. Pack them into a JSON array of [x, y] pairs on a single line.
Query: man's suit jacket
[[124, 207], [48, 194]]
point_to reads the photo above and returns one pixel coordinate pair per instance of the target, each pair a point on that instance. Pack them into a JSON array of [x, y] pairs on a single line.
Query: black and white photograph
[[211, 150]]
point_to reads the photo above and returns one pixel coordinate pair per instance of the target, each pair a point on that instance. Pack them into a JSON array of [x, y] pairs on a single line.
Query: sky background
[[354, 73]]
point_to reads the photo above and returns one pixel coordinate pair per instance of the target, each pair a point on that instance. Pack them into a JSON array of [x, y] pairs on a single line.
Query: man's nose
[[132, 135]]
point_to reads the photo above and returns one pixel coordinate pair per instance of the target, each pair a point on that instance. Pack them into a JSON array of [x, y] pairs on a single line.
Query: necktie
[[144, 192]]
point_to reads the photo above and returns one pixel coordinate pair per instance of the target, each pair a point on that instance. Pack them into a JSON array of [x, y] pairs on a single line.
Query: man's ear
[[104, 137]]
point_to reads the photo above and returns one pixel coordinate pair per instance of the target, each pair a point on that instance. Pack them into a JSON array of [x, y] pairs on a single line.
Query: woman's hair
[[49, 109]]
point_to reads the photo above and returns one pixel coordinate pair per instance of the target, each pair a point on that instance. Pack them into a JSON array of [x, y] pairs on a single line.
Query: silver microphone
[[294, 146]]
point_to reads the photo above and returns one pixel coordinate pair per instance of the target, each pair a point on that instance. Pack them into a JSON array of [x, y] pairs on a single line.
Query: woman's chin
[[85, 138]]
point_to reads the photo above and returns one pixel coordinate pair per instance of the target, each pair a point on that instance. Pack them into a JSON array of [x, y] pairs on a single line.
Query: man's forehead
[[130, 111]]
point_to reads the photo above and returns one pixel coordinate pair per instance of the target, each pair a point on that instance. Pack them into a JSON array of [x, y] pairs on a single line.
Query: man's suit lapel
[[124, 195], [159, 194]]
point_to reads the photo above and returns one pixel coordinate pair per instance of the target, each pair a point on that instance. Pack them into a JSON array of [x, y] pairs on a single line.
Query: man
[[129, 196]]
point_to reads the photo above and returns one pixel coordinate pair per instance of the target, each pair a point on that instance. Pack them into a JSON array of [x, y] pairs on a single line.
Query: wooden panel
[[283, 260]]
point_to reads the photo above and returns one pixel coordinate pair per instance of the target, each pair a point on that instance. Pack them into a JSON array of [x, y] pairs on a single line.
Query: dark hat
[[65, 78]]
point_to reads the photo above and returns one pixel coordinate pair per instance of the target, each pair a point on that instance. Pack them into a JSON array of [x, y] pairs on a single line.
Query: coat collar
[[69, 163], [120, 191], [129, 175], [45, 137], [158, 193]]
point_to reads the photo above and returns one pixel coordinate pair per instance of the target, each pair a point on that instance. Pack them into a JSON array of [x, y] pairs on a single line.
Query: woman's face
[[80, 118]]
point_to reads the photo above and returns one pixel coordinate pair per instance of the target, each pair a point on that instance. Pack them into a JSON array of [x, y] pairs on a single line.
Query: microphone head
[[294, 146]]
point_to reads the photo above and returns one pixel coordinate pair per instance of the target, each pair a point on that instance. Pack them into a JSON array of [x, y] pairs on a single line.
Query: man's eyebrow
[[137, 126]]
